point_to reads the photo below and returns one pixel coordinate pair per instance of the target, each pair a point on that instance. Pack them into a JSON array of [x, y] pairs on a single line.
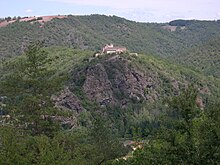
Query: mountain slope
[[204, 58], [128, 90], [94, 31], [121, 72]]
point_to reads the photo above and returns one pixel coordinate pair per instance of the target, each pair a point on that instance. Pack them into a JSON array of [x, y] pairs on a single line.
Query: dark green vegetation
[[204, 58], [106, 101], [92, 32], [186, 135], [31, 130], [61, 105]]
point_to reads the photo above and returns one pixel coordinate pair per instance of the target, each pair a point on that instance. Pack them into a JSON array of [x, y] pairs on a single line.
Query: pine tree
[[175, 140], [107, 146], [28, 88]]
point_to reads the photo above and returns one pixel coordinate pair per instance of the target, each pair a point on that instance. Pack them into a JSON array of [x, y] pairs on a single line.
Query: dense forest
[[94, 31], [203, 58], [62, 104]]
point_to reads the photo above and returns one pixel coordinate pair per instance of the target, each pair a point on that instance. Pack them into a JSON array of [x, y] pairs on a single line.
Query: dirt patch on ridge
[[40, 19]]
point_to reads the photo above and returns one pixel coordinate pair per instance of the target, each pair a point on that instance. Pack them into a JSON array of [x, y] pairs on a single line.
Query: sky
[[137, 10]]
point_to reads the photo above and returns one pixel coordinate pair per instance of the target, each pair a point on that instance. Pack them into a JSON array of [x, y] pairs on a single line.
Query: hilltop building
[[111, 49]]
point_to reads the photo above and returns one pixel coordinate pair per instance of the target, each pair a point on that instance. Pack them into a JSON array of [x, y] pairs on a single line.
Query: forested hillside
[[62, 105], [61, 102], [204, 58], [94, 31]]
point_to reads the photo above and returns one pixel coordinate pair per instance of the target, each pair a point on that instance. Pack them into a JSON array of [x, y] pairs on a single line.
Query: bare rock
[[97, 86], [67, 100]]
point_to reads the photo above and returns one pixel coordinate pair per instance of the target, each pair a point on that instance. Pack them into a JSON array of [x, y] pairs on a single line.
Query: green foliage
[[195, 46], [181, 22], [94, 31], [28, 90], [28, 82], [74, 147], [20, 148], [186, 135], [209, 135], [107, 145], [178, 129], [204, 58]]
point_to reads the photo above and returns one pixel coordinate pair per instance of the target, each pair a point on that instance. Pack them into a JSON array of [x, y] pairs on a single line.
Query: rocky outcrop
[[67, 100], [115, 81], [97, 87], [67, 122], [129, 81], [199, 102]]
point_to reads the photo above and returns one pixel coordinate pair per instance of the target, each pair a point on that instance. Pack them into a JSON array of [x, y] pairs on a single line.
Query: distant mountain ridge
[[40, 19], [204, 58], [94, 31], [167, 40]]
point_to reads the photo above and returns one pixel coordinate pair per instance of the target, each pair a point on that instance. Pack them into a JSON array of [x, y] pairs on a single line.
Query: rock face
[[113, 81], [127, 81], [97, 86], [199, 102], [67, 100], [116, 80]]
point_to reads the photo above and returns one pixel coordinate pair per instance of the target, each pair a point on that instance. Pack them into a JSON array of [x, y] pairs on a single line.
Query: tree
[[28, 87], [17, 147], [176, 140], [107, 146], [209, 135], [182, 113], [8, 19]]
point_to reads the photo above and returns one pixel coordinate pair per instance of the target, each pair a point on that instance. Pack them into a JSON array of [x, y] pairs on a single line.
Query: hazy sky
[[138, 10]]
